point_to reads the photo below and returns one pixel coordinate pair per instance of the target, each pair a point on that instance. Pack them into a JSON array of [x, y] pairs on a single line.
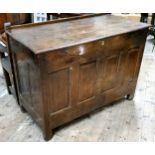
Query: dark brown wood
[[13, 18], [68, 68], [64, 15], [153, 19], [65, 34]]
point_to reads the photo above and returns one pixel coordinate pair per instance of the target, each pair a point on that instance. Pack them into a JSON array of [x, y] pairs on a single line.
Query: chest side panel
[[27, 77]]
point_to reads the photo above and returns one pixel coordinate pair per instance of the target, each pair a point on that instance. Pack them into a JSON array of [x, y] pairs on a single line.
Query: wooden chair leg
[[153, 47], [22, 109], [7, 80]]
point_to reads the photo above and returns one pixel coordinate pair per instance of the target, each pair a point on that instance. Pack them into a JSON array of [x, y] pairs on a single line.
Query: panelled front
[[92, 73]]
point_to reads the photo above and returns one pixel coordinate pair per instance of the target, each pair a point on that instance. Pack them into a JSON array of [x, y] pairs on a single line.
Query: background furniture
[[152, 30], [152, 33], [39, 17], [14, 18], [144, 17], [75, 66], [153, 19], [6, 67]]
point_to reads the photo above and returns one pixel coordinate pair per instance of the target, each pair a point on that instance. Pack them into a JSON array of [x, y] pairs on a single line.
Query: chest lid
[[52, 35]]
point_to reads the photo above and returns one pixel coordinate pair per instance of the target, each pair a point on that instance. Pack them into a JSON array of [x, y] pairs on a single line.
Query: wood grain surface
[[55, 35]]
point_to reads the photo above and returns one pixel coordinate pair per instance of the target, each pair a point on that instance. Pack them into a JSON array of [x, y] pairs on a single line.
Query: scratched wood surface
[[124, 121], [46, 37]]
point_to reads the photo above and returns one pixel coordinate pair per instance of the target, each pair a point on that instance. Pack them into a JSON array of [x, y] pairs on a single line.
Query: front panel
[[93, 78]]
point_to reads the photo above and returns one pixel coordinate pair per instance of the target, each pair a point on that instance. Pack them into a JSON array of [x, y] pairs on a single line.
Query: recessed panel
[[59, 90], [109, 72], [87, 80], [133, 55]]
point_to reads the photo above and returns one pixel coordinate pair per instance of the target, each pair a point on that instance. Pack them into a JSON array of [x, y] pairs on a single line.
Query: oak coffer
[[67, 68]]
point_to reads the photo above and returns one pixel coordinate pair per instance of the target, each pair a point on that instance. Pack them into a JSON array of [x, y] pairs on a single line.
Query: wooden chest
[[67, 68]]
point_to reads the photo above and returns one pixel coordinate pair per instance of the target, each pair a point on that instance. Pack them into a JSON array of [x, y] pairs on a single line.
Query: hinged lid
[[48, 36]]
